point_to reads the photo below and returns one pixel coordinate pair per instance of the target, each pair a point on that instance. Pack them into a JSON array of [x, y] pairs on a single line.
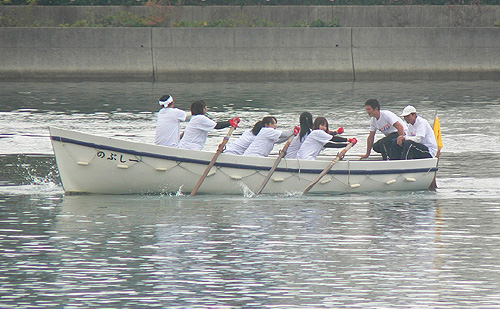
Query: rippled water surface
[[427, 249]]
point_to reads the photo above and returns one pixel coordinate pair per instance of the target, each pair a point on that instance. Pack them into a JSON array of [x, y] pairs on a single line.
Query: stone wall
[[231, 54]]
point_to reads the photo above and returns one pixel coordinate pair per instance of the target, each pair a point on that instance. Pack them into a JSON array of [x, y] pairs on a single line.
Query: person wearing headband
[[169, 122]]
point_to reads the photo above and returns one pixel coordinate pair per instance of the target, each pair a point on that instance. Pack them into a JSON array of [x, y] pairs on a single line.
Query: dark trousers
[[384, 146], [410, 150]]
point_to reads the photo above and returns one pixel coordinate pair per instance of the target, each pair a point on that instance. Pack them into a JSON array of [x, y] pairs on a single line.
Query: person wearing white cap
[[386, 122], [419, 141], [168, 122]]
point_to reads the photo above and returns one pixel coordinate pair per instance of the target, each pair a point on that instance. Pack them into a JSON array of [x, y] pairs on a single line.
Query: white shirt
[[294, 147], [263, 142], [421, 132], [239, 146], [168, 126], [196, 132], [313, 144], [385, 123]]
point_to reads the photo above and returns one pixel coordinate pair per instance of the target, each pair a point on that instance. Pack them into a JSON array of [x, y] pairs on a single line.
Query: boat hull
[[94, 164]]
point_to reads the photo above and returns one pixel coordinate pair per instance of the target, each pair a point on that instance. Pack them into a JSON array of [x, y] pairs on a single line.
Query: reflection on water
[[375, 250]]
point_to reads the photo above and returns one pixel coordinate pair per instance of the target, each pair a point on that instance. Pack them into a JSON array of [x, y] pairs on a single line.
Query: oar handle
[[339, 156], [282, 153], [212, 162]]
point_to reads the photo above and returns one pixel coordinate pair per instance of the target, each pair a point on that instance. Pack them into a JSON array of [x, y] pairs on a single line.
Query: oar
[[433, 185], [216, 155], [280, 156], [339, 156]]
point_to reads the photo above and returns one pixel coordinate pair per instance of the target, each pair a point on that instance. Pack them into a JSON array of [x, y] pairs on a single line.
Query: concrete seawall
[[283, 15], [239, 54]]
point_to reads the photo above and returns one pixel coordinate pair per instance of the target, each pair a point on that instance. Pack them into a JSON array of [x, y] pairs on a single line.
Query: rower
[[196, 132], [168, 123], [267, 137]]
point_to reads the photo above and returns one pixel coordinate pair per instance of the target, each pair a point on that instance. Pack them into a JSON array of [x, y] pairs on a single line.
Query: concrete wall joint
[[352, 57], [153, 60]]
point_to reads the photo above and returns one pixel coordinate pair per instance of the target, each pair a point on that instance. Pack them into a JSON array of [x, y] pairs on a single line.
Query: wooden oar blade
[[212, 162], [278, 160], [339, 156]]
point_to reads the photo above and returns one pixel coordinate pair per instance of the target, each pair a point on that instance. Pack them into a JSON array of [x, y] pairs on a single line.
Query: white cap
[[166, 100], [408, 110]]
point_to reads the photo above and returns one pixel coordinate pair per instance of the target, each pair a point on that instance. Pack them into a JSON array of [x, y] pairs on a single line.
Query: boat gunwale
[[240, 166]]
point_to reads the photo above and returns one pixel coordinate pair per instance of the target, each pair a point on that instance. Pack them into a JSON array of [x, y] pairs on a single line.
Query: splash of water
[[37, 185], [166, 193], [294, 194], [247, 192], [33, 175], [179, 192]]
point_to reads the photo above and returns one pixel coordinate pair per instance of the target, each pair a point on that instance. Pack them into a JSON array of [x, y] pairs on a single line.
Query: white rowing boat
[[95, 164]]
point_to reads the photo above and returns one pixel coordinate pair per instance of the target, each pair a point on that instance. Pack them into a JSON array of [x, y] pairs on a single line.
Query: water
[[376, 250]]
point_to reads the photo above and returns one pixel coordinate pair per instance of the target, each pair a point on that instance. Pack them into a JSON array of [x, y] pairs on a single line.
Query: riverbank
[[250, 54]]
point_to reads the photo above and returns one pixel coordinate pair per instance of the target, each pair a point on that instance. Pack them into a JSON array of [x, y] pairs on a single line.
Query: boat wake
[[30, 174], [38, 187]]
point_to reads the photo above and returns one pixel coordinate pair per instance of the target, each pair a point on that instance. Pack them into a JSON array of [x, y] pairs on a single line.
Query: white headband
[[167, 102]]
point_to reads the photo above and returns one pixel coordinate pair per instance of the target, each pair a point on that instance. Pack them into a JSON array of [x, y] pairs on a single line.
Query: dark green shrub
[[249, 2]]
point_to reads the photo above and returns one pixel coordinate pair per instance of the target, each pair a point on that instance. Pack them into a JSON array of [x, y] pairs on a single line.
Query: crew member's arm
[[285, 135], [338, 139], [417, 138], [399, 126], [340, 142], [401, 132], [224, 124], [369, 145], [336, 132]]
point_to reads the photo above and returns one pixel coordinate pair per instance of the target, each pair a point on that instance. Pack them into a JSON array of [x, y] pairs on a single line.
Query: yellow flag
[[437, 133]]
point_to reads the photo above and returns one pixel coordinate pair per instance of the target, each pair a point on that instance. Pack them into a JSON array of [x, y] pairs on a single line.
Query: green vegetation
[[319, 23], [160, 16], [157, 19], [252, 2], [162, 13], [121, 19], [129, 20], [229, 22]]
